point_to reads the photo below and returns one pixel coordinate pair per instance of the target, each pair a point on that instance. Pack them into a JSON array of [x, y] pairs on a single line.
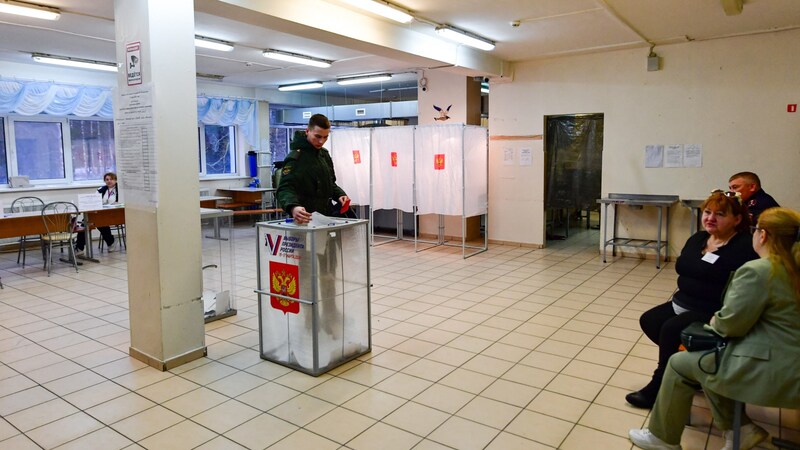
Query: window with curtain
[[92, 143], [3, 159], [39, 147], [217, 150]]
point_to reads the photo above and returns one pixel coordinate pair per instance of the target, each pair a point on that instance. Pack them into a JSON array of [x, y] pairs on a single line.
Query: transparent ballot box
[[219, 270], [313, 293]]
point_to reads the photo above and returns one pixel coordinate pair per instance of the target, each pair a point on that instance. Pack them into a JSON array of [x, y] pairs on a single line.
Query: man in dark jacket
[[308, 181], [754, 198]]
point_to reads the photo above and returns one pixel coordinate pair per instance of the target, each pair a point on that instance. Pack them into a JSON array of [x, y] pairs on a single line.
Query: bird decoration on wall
[[442, 113]]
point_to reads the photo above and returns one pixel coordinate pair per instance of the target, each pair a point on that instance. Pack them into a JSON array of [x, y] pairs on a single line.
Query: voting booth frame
[[439, 169]]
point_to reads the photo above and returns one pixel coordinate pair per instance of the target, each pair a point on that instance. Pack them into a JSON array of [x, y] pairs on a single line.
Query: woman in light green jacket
[[760, 316]]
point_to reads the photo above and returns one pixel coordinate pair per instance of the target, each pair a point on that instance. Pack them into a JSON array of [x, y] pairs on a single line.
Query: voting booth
[[219, 263], [313, 293]]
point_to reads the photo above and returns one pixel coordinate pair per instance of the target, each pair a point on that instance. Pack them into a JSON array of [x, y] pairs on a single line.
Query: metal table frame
[[662, 202]]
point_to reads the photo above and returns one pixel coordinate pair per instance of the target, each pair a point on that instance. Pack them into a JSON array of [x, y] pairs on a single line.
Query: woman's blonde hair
[[782, 226]]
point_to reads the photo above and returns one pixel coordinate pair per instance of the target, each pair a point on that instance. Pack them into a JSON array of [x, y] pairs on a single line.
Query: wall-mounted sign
[[133, 63]]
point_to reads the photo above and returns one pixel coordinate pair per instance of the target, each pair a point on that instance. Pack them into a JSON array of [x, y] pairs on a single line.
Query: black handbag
[[696, 337]]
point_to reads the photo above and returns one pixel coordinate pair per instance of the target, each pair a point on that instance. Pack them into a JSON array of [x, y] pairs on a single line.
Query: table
[[251, 195], [210, 201], [694, 206], [662, 202], [108, 216]]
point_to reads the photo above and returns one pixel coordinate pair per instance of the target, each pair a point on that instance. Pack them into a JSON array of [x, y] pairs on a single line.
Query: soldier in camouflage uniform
[[308, 182]]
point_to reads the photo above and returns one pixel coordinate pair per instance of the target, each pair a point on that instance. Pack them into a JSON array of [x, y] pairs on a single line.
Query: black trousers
[[105, 232], [664, 327]]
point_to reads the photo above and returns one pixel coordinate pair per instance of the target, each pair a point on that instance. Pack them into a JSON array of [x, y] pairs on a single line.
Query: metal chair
[[59, 219], [120, 229], [26, 204]]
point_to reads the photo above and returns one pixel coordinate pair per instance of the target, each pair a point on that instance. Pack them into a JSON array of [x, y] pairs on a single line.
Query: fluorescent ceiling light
[[300, 86], [364, 79], [210, 76], [384, 9], [28, 10], [74, 62], [297, 58], [213, 44], [465, 38]]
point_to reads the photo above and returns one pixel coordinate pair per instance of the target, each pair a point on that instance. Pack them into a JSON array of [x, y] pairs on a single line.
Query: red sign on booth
[[394, 159], [438, 161], [356, 156]]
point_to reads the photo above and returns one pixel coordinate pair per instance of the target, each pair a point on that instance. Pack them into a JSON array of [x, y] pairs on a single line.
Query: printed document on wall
[[693, 155], [136, 150], [673, 155]]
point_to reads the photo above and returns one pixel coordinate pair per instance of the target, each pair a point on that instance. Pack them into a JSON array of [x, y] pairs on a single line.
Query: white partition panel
[[350, 152], [475, 171], [439, 169], [393, 168]]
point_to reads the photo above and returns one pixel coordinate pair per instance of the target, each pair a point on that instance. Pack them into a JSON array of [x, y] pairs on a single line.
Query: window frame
[[238, 159]]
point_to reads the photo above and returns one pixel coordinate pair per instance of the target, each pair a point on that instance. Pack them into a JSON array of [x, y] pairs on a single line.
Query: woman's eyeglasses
[[729, 194]]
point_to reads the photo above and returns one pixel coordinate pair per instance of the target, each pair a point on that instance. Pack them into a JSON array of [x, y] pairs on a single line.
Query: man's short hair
[[319, 120], [750, 177]]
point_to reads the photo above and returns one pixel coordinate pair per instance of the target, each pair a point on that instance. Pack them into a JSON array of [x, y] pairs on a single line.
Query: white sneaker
[[113, 247], [80, 252], [648, 441], [750, 436]]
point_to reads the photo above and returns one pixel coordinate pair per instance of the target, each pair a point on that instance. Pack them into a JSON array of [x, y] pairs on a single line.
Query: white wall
[[730, 95]]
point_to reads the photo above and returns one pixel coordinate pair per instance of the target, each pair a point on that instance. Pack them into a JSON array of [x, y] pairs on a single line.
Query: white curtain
[[350, 152], [439, 169], [393, 168], [30, 98], [475, 171], [227, 112]]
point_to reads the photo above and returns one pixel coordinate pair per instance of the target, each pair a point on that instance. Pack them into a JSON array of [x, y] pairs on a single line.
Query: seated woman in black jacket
[[704, 266]]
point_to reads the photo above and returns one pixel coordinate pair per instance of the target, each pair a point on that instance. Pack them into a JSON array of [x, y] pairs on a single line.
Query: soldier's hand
[[300, 215]]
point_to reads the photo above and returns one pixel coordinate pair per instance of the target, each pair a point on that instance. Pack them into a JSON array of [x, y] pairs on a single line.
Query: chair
[[59, 219], [120, 229], [26, 204]]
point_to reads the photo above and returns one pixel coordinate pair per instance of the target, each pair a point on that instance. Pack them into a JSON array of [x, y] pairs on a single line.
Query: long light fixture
[[365, 79], [212, 44], [297, 58], [29, 10], [74, 62], [300, 86], [465, 37], [384, 9]]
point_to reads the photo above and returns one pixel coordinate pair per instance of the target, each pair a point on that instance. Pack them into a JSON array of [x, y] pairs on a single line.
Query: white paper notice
[[508, 156], [654, 156], [673, 155], [136, 151], [525, 157], [693, 155], [90, 202]]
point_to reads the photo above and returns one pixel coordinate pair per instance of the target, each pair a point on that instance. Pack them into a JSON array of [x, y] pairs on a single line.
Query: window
[[92, 149], [279, 140], [39, 147], [217, 150], [3, 159]]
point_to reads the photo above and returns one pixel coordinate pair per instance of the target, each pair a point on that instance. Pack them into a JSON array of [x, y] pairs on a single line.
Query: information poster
[[673, 155], [136, 150], [693, 155], [525, 157], [654, 156]]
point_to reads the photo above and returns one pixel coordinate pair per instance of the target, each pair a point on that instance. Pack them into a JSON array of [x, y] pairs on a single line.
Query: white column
[[156, 136]]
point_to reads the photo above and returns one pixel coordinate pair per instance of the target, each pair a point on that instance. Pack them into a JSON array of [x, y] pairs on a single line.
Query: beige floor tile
[[489, 412], [268, 370], [340, 425], [467, 380], [427, 444], [300, 381], [508, 441], [510, 392], [393, 360], [301, 410], [236, 384], [614, 397], [195, 402], [226, 416], [428, 370], [505, 352], [531, 376], [488, 366], [142, 378], [403, 385], [336, 390], [219, 443], [147, 423], [267, 396], [546, 361], [450, 356], [559, 406], [384, 437], [463, 434], [24, 399], [602, 357], [119, 408], [15, 384], [41, 414], [416, 418], [574, 387], [415, 347], [374, 403], [64, 430], [19, 442], [581, 438], [540, 428], [184, 435], [588, 371], [304, 440], [261, 432], [559, 348], [436, 336], [105, 438], [444, 398], [209, 373], [610, 420], [168, 389]]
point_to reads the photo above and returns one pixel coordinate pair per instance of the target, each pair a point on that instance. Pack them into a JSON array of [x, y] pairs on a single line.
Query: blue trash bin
[[252, 165]]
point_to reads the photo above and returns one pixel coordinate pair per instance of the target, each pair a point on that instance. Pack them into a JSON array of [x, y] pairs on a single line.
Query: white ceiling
[[362, 43]]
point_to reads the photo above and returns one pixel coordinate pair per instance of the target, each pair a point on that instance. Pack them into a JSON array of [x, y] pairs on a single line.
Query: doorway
[[573, 173]]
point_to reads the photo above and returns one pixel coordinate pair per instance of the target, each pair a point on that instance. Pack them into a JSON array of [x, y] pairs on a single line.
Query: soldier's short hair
[[750, 177], [319, 120]]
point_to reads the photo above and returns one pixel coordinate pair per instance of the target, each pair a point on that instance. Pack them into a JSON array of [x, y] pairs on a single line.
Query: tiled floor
[[511, 349]]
